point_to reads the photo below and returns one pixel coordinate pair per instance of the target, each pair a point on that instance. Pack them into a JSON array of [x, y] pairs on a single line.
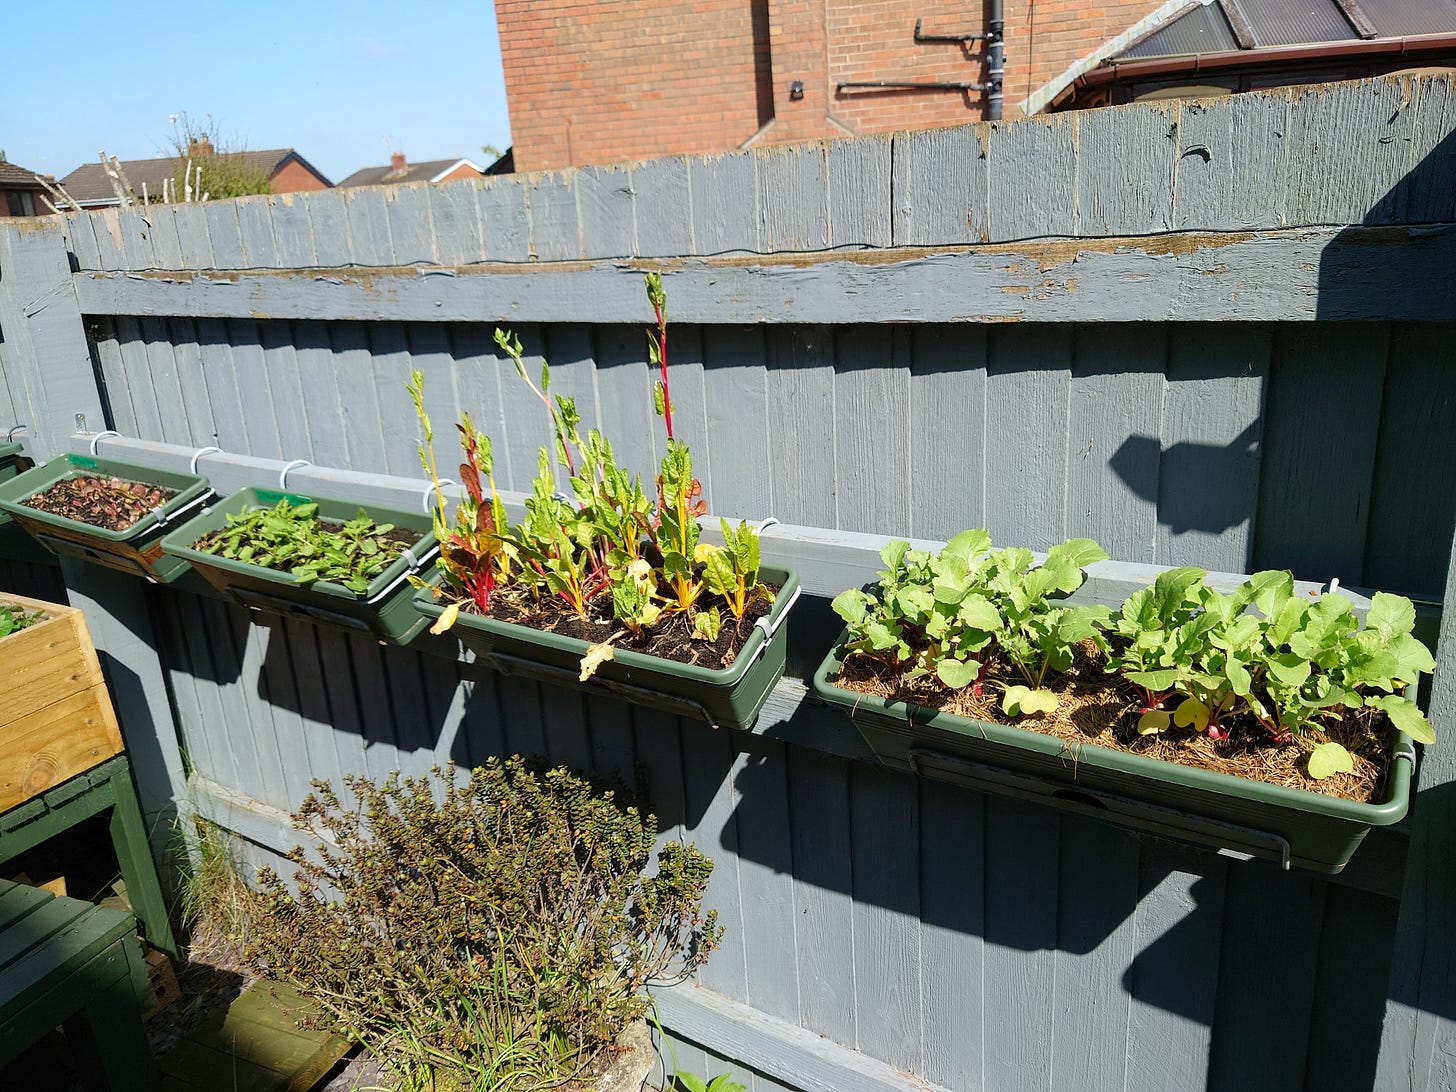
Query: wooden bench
[[68, 962]]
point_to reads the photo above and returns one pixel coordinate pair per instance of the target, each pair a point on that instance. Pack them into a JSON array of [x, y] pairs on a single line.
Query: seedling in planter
[[108, 502], [13, 618], [607, 540], [291, 538], [1292, 667], [937, 613]]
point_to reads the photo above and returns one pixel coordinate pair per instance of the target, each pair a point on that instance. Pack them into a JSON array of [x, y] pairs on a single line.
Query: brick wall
[[595, 82], [465, 170], [294, 177]]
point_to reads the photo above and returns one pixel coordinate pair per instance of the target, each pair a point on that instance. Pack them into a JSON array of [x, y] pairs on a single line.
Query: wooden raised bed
[[57, 720]]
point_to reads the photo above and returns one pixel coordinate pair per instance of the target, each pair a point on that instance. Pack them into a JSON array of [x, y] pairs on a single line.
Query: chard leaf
[[1022, 701], [1327, 759], [1152, 722], [1406, 716], [957, 673]]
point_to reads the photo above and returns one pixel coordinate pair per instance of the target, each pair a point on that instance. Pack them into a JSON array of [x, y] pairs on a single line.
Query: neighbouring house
[[287, 172], [21, 192], [594, 82], [1224, 46], [401, 170]]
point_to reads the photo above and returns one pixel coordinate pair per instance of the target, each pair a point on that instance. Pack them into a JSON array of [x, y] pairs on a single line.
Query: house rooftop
[[89, 184], [429, 171]]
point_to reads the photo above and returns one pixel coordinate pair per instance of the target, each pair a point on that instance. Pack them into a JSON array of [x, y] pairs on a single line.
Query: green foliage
[[937, 613], [691, 1082], [1291, 663], [500, 930], [607, 536], [291, 538], [14, 617], [208, 166]]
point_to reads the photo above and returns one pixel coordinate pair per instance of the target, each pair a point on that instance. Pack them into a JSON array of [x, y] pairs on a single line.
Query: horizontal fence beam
[[827, 560], [1358, 273]]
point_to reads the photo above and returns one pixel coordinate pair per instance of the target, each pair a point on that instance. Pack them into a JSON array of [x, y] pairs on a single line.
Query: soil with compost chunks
[[669, 638], [113, 504], [1094, 707]]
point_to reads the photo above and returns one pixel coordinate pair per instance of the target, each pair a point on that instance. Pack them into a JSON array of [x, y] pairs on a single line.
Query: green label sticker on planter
[[272, 496], [82, 461]]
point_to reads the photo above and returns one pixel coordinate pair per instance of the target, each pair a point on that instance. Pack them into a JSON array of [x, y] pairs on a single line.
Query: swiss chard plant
[[603, 543], [938, 614], [1200, 658], [291, 538]]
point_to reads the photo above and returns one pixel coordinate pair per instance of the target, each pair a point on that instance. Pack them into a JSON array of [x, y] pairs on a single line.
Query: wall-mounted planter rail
[[728, 697], [1304, 829], [385, 610], [136, 550]]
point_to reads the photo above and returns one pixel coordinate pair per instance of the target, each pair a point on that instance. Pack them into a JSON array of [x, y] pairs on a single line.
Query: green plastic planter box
[[386, 610], [138, 549], [728, 697], [9, 461], [1248, 818]]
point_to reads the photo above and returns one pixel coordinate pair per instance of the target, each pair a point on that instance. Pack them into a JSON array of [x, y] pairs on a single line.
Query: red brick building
[[400, 170], [592, 81], [596, 81]]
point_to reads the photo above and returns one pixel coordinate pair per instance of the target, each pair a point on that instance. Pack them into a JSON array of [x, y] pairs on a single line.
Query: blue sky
[[344, 82]]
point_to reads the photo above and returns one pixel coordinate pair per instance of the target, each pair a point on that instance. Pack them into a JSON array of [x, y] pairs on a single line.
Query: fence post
[[44, 354], [1418, 1042]]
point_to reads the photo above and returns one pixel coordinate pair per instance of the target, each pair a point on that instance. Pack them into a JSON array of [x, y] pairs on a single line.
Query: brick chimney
[[199, 147], [397, 165]]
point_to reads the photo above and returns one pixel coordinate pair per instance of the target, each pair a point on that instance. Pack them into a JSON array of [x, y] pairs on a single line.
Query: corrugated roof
[[89, 183], [387, 176], [1202, 30], [1396, 18], [1208, 27], [1291, 22]]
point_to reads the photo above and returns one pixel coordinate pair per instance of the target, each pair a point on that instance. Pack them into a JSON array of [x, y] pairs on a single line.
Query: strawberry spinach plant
[[939, 613], [291, 538], [604, 545]]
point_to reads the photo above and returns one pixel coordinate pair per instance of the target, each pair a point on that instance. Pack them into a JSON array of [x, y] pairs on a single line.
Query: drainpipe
[[995, 60]]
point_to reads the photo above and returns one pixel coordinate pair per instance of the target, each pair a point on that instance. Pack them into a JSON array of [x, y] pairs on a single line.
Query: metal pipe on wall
[[995, 59]]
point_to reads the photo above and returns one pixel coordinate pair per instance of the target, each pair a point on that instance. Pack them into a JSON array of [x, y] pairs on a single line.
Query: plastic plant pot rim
[[400, 570], [754, 647], [192, 492], [9, 450], [1389, 811]]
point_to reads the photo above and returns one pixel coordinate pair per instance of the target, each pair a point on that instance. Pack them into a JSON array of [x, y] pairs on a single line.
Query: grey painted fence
[[884, 932]]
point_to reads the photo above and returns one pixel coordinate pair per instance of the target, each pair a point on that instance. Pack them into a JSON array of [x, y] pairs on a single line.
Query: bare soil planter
[[385, 609], [135, 549]]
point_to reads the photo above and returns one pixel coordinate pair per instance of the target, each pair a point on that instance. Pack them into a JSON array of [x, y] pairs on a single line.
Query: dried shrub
[[498, 931]]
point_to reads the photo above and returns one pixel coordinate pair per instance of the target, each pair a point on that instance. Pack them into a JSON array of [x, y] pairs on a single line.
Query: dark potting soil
[[113, 504], [670, 638]]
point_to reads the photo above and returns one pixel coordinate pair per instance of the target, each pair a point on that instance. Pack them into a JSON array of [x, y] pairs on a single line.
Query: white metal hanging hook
[[283, 474], [100, 436], [425, 500], [199, 453]]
